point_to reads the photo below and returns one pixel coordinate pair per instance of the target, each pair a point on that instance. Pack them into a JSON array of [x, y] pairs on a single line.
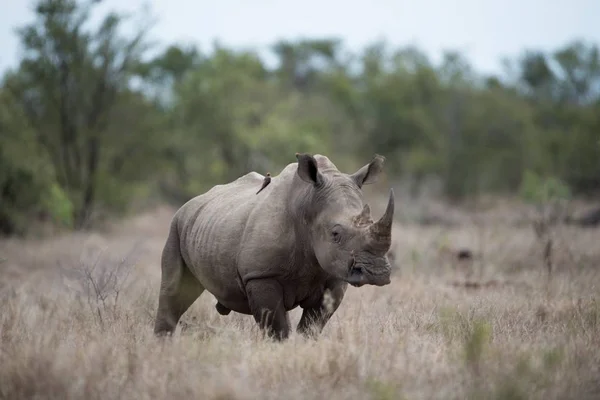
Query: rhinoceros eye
[[336, 234]]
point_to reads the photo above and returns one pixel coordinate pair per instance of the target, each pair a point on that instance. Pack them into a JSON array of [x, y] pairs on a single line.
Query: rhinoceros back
[[210, 228]]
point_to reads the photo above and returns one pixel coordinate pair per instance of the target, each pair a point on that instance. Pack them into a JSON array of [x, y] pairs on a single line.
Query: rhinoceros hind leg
[[265, 297], [221, 309], [178, 288]]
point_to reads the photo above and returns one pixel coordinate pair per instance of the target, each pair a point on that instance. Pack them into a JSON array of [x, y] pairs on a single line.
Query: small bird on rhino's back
[[266, 181]]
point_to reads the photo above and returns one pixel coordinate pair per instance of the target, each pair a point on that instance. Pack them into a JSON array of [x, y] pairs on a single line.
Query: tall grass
[[76, 316]]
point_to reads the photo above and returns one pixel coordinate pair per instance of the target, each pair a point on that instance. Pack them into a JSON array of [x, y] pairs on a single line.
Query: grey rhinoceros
[[306, 234]]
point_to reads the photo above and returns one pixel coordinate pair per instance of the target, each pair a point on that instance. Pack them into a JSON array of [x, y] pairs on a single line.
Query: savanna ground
[[77, 310]]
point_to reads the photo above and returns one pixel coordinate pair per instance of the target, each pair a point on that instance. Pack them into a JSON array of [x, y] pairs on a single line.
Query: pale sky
[[483, 30]]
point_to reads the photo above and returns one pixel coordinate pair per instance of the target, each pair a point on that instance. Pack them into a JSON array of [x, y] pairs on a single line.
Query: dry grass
[[86, 332]]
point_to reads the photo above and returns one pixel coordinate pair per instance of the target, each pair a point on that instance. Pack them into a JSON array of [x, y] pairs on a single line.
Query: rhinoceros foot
[[221, 309]]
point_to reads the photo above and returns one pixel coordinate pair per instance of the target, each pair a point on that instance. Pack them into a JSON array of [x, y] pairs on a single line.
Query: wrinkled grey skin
[[306, 234]]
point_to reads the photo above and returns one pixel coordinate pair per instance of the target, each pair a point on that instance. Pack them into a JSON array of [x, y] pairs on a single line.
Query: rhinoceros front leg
[[315, 318], [265, 297]]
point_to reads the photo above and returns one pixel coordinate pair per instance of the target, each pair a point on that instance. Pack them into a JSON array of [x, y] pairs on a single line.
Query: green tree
[[74, 87]]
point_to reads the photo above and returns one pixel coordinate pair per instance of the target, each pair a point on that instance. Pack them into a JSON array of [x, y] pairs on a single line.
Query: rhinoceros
[[304, 237]]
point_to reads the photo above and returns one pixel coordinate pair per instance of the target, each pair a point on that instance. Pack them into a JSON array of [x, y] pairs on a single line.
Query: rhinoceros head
[[346, 241]]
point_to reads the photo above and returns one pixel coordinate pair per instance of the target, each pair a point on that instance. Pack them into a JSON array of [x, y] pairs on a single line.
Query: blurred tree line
[[89, 122]]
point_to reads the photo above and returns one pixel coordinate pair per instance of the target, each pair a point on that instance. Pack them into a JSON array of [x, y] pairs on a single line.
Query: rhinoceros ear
[[369, 173], [308, 170]]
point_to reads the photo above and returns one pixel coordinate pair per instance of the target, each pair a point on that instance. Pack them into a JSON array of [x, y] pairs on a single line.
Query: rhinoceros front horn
[[381, 231]]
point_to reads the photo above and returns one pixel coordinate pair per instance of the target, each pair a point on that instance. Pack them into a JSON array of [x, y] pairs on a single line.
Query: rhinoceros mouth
[[359, 276], [356, 275]]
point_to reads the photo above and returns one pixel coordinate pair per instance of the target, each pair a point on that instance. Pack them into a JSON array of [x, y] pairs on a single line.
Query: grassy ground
[[76, 316]]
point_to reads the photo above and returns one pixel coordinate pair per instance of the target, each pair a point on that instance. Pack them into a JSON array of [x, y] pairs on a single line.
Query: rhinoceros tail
[[178, 287]]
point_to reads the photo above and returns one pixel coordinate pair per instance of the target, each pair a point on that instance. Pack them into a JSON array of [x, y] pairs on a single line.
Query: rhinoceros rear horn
[[364, 218], [381, 231]]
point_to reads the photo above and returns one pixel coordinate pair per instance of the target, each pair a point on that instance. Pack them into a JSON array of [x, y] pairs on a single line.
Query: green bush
[[539, 190]]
